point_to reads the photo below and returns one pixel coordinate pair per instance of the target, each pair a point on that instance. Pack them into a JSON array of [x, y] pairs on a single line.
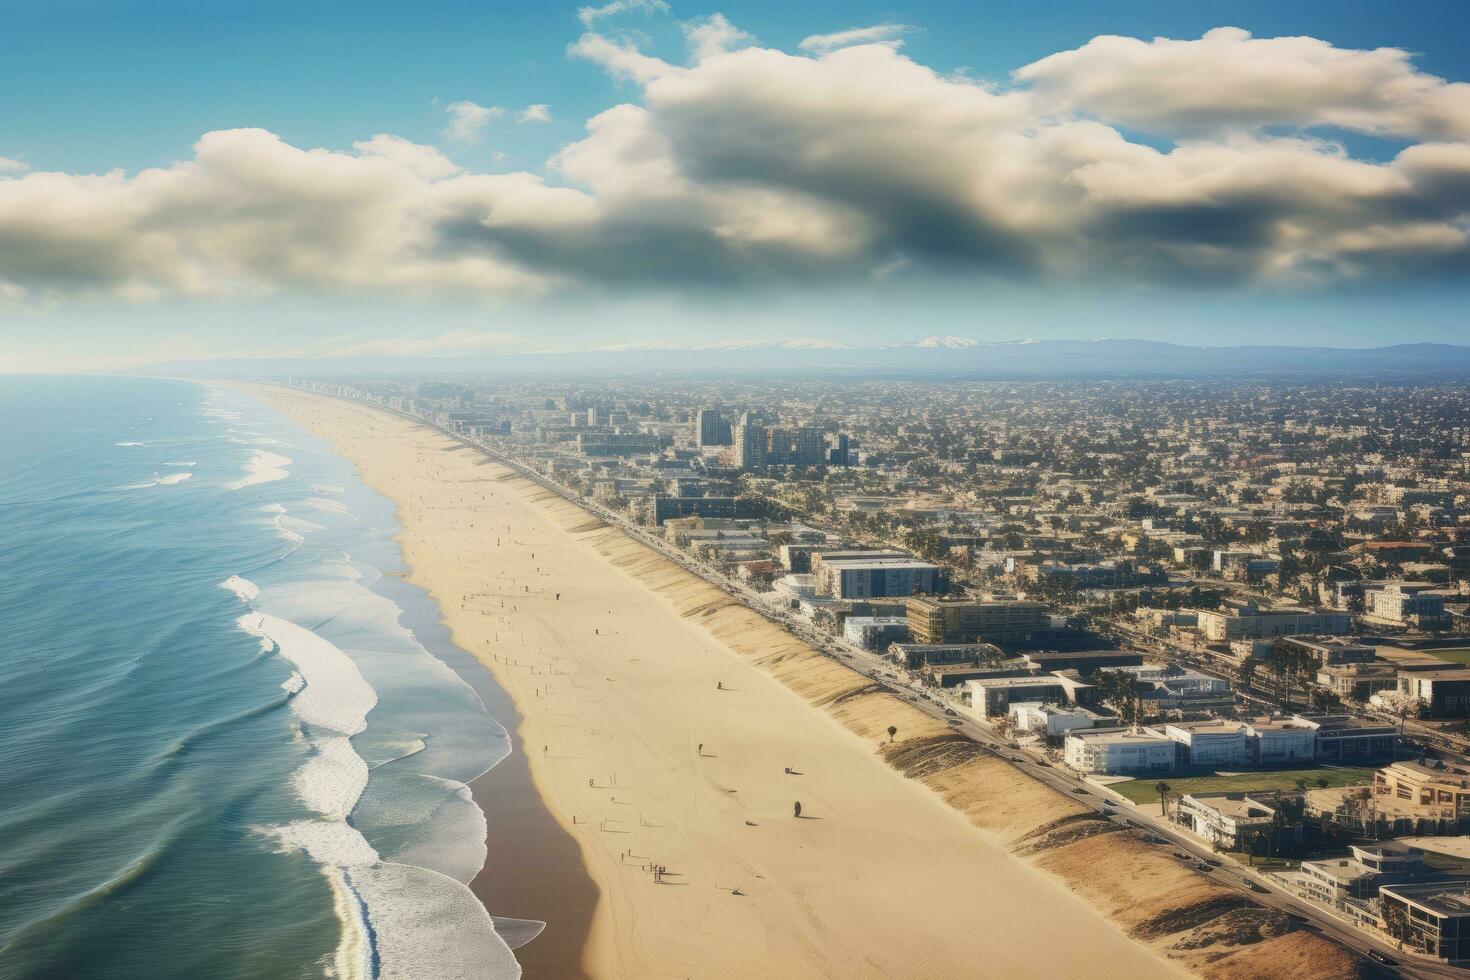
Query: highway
[[1149, 827]]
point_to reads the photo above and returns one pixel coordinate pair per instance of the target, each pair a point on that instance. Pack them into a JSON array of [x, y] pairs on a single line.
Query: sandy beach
[[659, 719]]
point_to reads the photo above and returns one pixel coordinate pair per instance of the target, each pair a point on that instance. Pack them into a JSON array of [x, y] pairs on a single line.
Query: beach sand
[[955, 872]]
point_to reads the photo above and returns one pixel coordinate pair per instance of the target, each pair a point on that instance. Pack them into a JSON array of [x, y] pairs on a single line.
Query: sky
[[186, 180]]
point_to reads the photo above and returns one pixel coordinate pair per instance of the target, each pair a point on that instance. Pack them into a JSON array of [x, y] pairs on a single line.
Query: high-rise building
[[751, 440], [810, 446], [711, 429]]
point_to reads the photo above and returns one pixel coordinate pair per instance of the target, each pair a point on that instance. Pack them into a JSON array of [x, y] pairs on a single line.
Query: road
[[887, 674]]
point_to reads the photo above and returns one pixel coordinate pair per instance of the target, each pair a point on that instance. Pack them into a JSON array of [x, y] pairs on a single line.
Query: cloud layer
[[844, 160]]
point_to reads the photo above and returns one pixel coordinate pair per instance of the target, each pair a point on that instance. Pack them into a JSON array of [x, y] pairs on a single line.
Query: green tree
[[1163, 789]]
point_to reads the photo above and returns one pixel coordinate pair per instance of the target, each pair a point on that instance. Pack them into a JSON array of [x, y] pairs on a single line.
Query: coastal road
[[883, 672]]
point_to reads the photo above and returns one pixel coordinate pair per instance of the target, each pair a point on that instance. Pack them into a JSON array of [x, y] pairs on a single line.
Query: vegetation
[[1286, 780]]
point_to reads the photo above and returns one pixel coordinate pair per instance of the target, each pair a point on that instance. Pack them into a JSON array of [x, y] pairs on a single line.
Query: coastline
[[1022, 882]]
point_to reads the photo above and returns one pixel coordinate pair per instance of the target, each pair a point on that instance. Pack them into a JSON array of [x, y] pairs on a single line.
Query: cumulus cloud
[[1229, 79], [877, 34], [591, 15], [712, 35], [467, 120], [834, 163], [9, 166], [538, 113]]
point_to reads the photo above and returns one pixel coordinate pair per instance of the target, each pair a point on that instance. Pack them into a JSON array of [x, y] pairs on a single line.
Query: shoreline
[[960, 862]]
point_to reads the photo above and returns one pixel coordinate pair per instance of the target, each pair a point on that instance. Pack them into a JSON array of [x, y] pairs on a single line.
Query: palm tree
[[892, 731], [1163, 788]]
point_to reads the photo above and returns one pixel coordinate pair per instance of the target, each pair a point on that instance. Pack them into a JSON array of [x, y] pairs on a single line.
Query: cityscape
[[1228, 619]]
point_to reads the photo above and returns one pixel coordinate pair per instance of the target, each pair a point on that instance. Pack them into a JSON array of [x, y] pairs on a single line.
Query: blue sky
[[95, 87]]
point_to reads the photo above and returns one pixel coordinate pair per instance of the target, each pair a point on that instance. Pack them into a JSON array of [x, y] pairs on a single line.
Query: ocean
[[233, 741]]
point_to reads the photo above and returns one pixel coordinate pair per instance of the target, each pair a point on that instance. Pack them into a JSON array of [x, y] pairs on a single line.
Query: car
[[1214, 863], [1079, 791], [1203, 868], [1256, 886], [1181, 855], [951, 712], [1385, 960], [955, 721]]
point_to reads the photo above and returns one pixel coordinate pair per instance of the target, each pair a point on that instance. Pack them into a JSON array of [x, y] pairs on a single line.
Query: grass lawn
[[1455, 655], [1142, 790]]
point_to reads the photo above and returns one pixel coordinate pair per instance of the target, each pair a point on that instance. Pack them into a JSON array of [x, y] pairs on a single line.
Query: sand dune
[[968, 868]]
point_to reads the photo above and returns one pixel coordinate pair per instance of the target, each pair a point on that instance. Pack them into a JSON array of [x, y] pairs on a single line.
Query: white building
[[1050, 719], [1211, 743], [1118, 752], [1222, 625], [1226, 819], [1279, 742]]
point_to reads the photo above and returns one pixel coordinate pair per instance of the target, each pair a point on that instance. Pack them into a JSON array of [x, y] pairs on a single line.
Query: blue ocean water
[[225, 749]]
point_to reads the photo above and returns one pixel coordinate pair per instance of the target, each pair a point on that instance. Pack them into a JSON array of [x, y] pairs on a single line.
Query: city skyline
[[474, 181]]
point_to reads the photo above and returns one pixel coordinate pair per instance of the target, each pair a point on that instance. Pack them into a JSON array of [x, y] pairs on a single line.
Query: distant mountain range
[[940, 356]]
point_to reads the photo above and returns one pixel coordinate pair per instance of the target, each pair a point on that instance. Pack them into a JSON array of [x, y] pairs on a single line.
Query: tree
[[1163, 789], [892, 731], [1324, 700], [1401, 706], [1301, 784]]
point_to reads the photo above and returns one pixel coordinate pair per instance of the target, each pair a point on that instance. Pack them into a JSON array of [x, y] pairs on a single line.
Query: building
[[667, 508], [1085, 661], [1404, 604], [942, 619], [1348, 884], [1350, 740], [1420, 790], [1358, 682], [991, 696], [1278, 742], [616, 443], [861, 578], [1223, 625], [750, 439], [912, 656], [1053, 721], [1118, 752], [875, 632], [1446, 693], [1229, 821], [1432, 917], [711, 428], [1333, 652], [1210, 743]]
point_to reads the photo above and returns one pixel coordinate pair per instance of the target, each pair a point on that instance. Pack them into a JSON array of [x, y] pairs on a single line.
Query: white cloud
[[538, 113], [1228, 79], [467, 120], [759, 165], [622, 60], [590, 15], [9, 166], [877, 34], [712, 35]]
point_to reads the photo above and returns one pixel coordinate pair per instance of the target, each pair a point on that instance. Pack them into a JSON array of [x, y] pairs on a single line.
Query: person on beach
[[719, 685], [700, 750], [797, 809]]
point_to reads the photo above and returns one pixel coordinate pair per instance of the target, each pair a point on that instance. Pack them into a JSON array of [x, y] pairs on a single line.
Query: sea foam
[[263, 467]]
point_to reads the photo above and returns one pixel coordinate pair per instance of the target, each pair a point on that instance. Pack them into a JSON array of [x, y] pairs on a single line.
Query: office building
[[937, 619]]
